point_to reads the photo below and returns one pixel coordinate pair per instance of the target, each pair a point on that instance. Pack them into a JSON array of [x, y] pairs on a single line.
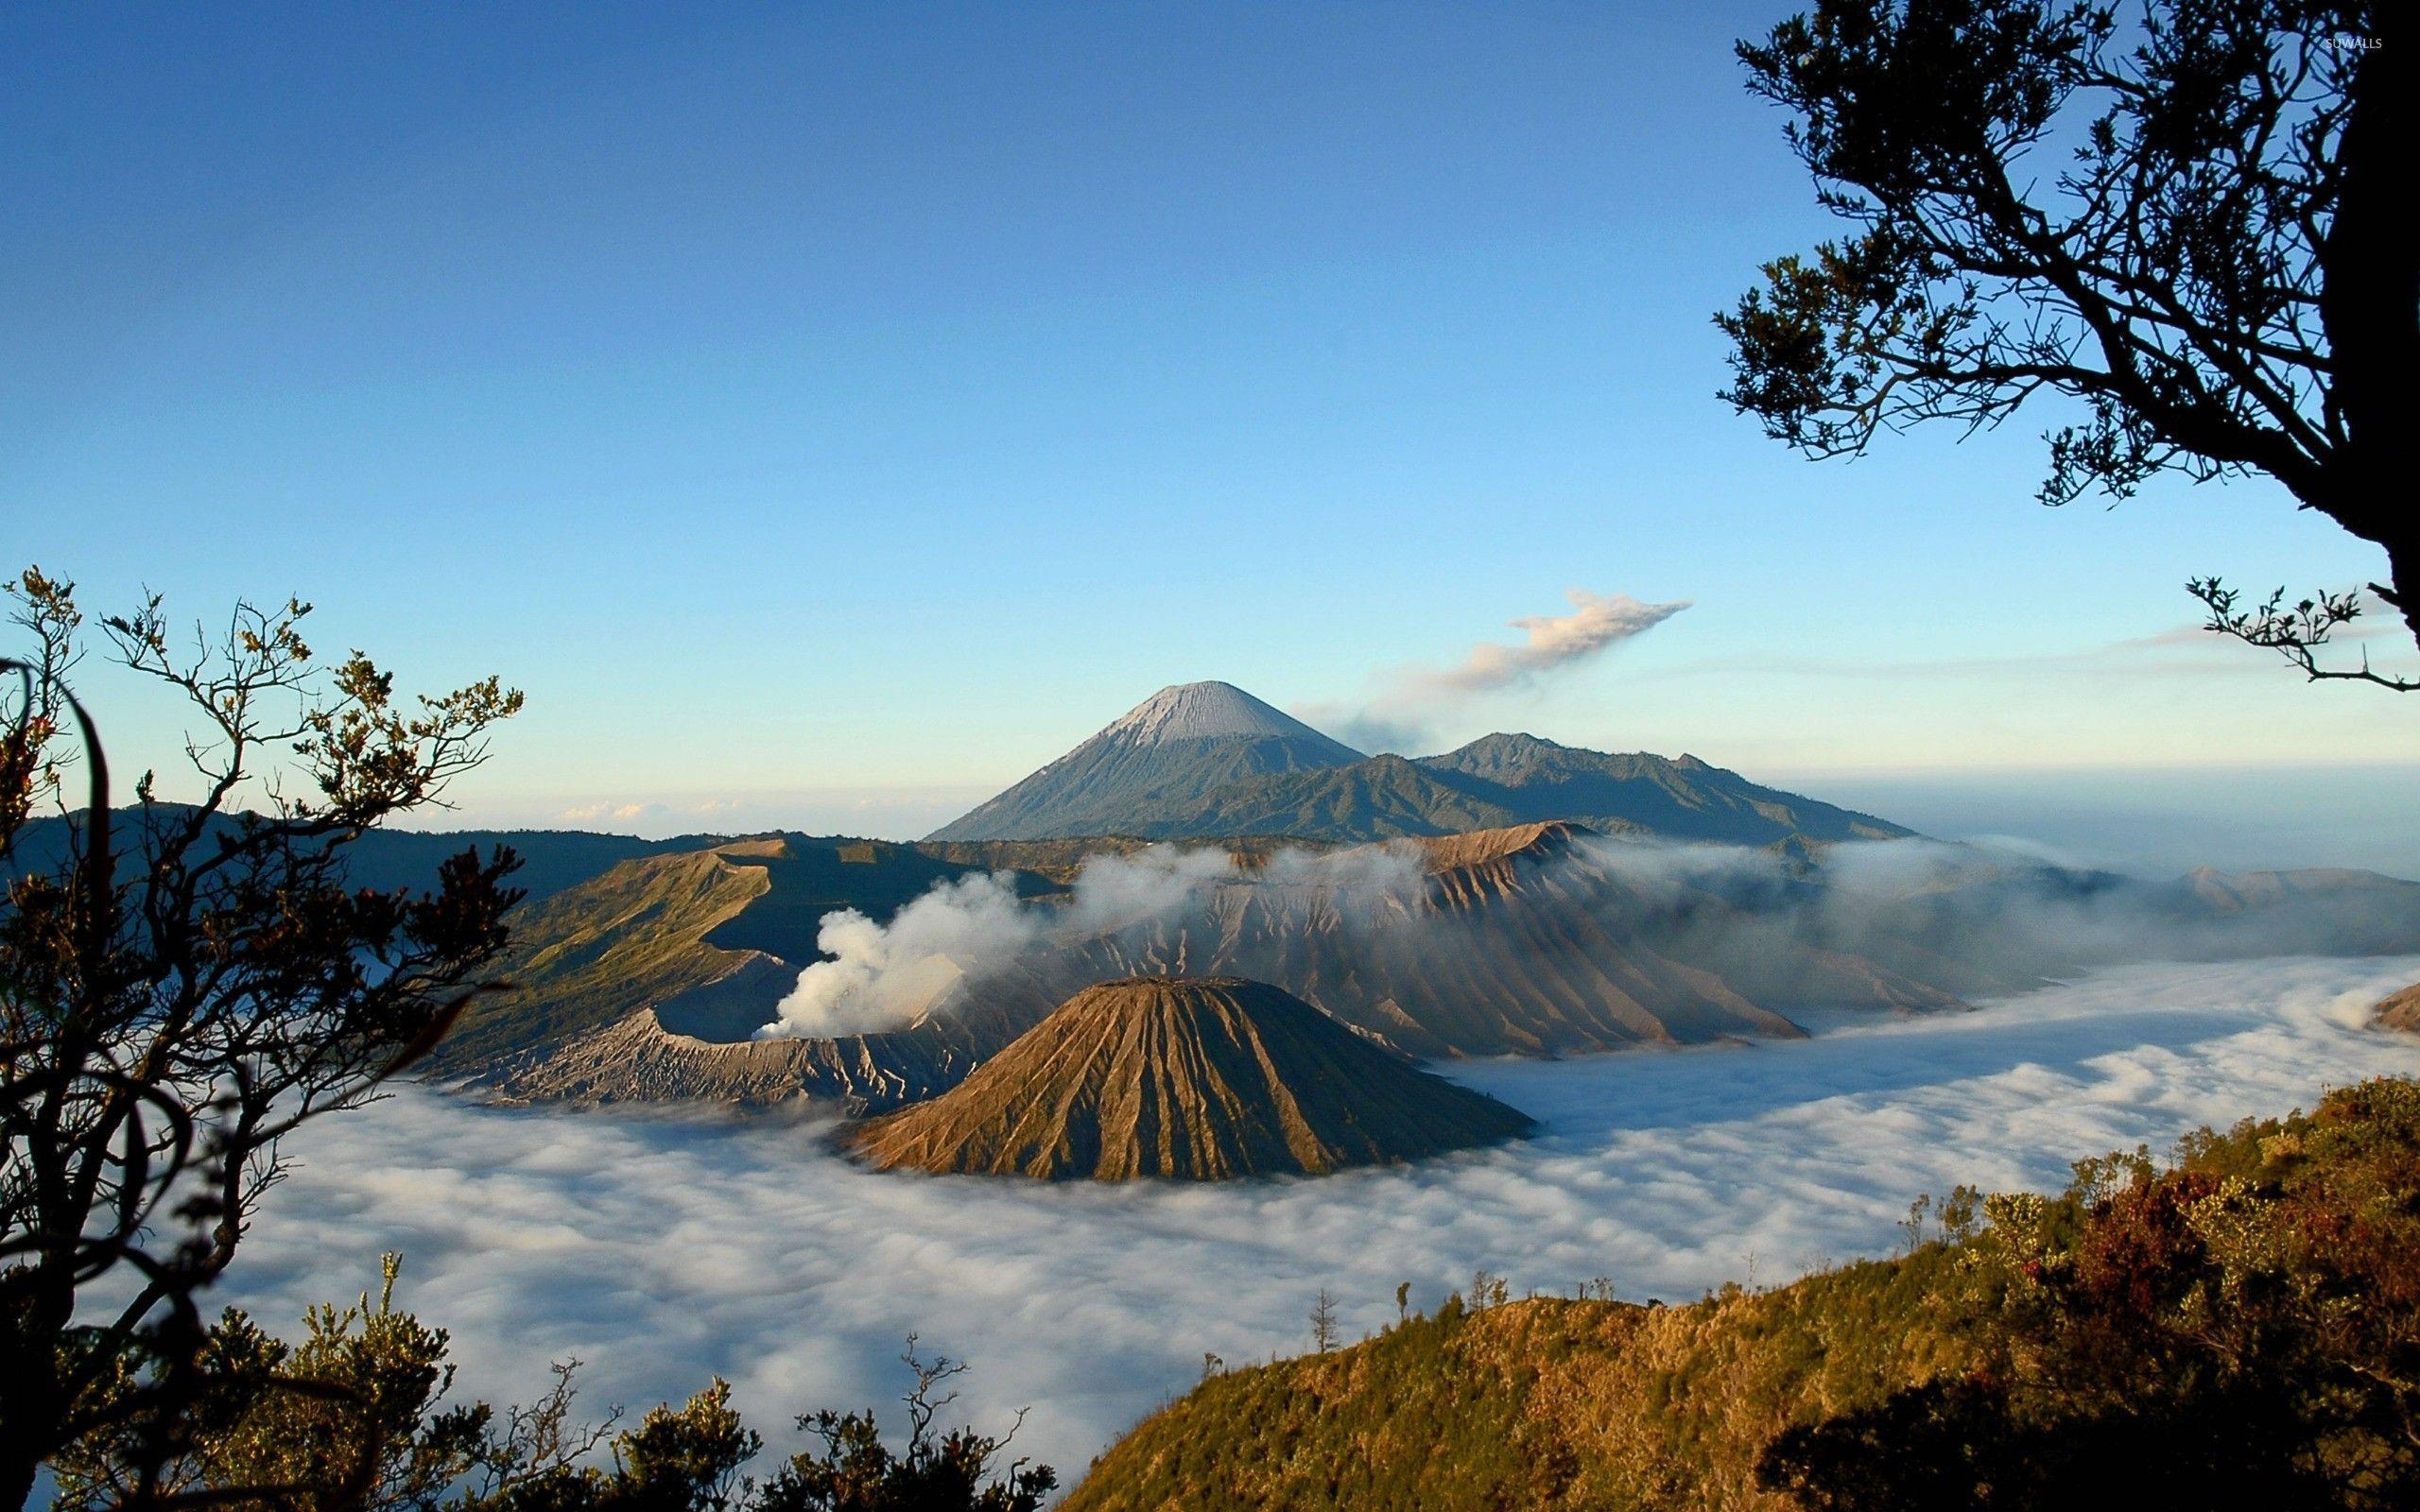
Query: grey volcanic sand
[[663, 1250]]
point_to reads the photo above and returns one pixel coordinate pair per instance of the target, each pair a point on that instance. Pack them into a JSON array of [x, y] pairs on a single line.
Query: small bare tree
[[182, 985], [1324, 1322], [854, 1471]]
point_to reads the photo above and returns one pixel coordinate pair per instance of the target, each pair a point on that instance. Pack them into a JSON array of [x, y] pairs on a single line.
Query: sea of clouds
[[661, 1249]]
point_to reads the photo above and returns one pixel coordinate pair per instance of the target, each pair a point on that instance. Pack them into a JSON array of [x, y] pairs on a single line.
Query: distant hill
[[1207, 760], [1166, 753], [1200, 1078], [1681, 799], [551, 860]]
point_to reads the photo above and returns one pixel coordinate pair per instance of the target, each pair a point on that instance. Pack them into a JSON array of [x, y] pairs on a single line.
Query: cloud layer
[[661, 1250]]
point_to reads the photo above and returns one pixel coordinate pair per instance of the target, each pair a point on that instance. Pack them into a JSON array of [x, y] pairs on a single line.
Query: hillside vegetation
[[2239, 1329]]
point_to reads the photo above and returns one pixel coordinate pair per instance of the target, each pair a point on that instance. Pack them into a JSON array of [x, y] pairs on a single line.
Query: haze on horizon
[[828, 417]]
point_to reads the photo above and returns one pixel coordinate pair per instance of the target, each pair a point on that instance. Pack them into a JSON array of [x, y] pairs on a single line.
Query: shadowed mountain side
[[593, 954], [1502, 780], [2336, 909], [1207, 761], [1187, 1079], [1375, 800], [639, 1060], [1060, 860], [1684, 799], [2399, 1010]]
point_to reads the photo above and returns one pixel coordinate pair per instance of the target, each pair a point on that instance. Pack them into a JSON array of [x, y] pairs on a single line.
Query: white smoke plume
[[1405, 711], [1549, 641], [887, 976]]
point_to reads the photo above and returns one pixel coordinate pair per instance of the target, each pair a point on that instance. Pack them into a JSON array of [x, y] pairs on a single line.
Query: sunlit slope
[[1199, 1078], [2233, 1331]]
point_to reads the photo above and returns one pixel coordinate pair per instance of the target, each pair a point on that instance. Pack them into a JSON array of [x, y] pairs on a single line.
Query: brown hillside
[[1190, 1078]]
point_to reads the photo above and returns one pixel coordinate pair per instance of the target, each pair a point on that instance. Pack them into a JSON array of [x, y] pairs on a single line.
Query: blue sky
[[835, 411]]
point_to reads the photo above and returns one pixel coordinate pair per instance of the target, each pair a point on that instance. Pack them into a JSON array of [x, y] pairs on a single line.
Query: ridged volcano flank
[[1196, 1078]]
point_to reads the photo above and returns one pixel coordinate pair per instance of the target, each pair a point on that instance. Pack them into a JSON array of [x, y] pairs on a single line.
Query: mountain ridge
[[1208, 761], [646, 983]]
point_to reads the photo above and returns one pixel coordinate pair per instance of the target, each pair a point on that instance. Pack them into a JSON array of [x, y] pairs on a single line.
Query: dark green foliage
[[184, 984], [355, 1418], [854, 1471]]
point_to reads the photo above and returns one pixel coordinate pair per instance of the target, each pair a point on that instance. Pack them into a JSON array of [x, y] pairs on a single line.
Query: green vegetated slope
[[2240, 1329], [1203, 1078], [1381, 799]]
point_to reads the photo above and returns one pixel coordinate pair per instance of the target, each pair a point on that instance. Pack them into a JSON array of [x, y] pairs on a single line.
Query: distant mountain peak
[[1509, 741], [1204, 711], [1175, 746]]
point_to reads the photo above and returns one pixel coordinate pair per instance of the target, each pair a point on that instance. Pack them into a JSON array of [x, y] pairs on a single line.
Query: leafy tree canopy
[[2186, 219]]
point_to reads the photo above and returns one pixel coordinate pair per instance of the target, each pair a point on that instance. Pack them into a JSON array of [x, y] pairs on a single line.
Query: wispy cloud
[[1549, 643], [661, 1249], [603, 812], [1412, 700]]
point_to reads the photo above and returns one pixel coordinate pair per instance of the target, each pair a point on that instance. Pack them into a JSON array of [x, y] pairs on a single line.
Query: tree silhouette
[[2188, 230], [854, 1471], [184, 984]]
